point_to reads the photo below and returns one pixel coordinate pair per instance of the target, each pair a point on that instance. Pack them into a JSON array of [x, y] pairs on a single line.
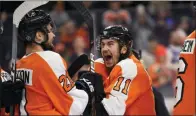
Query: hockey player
[[185, 82], [48, 88], [126, 82]]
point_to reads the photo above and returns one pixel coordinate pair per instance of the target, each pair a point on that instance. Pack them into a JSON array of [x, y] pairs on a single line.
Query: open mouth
[[107, 57]]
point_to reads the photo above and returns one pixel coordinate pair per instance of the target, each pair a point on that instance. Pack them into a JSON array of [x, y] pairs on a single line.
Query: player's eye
[[110, 43]]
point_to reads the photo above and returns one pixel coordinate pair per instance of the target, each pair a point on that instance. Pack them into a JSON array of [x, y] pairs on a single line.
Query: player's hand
[[96, 81], [86, 85], [98, 94], [11, 89]]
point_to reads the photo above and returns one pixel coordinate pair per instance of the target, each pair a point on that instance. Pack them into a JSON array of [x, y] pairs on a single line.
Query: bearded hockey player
[[48, 88]]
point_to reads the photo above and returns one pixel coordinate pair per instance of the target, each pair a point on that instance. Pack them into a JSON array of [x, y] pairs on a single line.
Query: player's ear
[[123, 50], [39, 37]]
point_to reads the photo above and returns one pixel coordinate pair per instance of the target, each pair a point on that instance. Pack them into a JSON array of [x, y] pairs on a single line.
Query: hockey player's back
[[49, 89], [185, 83]]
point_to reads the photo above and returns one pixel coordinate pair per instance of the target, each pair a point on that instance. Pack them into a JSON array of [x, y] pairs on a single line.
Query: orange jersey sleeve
[[128, 88], [48, 88], [185, 83]]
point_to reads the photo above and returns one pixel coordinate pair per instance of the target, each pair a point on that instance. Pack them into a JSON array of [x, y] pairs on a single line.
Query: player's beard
[[48, 46]]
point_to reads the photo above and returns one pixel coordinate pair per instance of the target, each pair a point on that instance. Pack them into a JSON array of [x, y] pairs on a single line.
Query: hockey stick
[[90, 22], [18, 14], [96, 107], [77, 64]]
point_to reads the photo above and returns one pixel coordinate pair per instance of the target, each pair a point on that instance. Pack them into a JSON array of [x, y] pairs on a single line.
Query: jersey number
[[126, 86], [67, 82], [179, 82]]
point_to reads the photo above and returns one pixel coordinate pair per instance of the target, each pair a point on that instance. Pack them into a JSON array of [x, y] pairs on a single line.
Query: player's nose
[[105, 48]]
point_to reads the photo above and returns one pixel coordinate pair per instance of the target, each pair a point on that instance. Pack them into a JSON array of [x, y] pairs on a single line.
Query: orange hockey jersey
[[185, 83], [48, 88], [127, 87]]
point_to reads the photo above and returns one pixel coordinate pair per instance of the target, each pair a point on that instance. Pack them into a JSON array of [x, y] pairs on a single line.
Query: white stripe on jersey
[[80, 97], [115, 104], [23, 104]]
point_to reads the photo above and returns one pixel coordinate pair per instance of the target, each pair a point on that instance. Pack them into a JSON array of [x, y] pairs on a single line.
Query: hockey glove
[[99, 94]]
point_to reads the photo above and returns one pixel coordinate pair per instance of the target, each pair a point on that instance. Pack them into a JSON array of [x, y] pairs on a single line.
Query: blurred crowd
[[159, 29]]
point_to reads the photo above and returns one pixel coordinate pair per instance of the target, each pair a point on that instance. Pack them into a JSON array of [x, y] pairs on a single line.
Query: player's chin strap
[[46, 38], [42, 44]]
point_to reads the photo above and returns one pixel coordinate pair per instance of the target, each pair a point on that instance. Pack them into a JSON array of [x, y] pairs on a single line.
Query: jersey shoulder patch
[[55, 62], [128, 67], [50, 57]]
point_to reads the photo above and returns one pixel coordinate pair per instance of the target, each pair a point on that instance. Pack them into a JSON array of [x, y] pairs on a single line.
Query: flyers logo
[[31, 14], [66, 82]]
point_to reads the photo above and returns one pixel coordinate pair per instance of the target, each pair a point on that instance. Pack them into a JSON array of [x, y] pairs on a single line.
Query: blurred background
[[159, 29]]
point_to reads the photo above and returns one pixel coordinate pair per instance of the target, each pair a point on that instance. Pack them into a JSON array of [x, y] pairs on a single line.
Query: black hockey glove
[[11, 93], [96, 81], [86, 85], [98, 94]]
